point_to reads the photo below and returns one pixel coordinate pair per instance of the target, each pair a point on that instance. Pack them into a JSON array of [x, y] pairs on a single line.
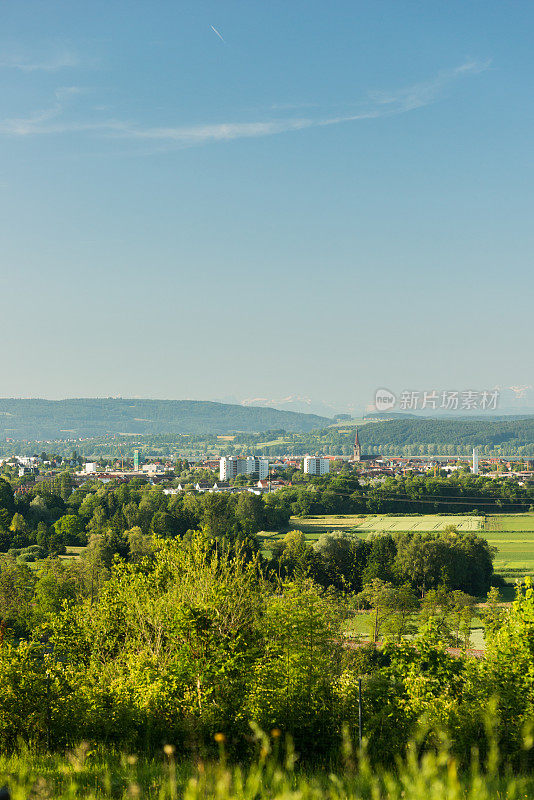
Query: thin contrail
[[218, 34]]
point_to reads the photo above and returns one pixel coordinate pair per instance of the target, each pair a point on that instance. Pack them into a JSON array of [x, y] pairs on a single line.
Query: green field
[[513, 536], [428, 523], [499, 523], [363, 525]]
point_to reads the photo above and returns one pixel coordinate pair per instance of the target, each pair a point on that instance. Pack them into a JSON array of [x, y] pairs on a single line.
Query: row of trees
[[462, 561], [459, 493]]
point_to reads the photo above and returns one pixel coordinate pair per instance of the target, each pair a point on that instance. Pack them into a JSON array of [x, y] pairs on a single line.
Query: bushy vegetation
[[174, 628], [461, 493], [194, 640]]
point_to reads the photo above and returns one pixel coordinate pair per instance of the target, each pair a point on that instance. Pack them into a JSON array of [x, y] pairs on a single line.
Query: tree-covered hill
[[490, 435], [62, 419], [502, 436]]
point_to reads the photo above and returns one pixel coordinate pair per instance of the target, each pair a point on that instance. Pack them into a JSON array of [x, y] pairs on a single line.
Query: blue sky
[[247, 199]]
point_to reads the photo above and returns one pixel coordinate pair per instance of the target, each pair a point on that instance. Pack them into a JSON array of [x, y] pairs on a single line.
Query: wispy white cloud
[[380, 104], [422, 94], [52, 63], [49, 120]]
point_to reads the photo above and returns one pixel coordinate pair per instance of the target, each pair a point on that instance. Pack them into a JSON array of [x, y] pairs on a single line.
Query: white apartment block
[[316, 466], [231, 466]]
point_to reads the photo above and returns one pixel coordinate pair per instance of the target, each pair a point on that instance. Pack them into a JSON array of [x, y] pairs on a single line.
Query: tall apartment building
[[231, 466], [316, 466]]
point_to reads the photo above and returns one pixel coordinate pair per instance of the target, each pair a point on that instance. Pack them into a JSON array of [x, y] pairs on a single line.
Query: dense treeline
[[120, 519], [174, 625], [408, 437], [462, 561], [460, 493]]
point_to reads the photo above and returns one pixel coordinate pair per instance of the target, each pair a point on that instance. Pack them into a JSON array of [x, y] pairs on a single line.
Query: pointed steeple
[[357, 450]]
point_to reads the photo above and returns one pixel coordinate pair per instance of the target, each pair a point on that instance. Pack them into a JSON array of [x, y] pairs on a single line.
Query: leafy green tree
[[179, 642], [380, 596], [163, 525], [98, 522], [508, 674], [7, 500], [249, 512], [277, 511], [140, 545], [17, 583], [71, 529], [292, 684], [66, 485], [403, 621], [56, 584], [493, 612], [381, 559], [461, 613], [344, 558], [18, 524], [293, 557]]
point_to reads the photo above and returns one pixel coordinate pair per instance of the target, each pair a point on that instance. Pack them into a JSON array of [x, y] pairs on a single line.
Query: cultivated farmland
[[513, 537], [428, 523]]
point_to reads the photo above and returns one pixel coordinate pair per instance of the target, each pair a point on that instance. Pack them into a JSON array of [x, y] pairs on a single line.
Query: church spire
[[356, 450]]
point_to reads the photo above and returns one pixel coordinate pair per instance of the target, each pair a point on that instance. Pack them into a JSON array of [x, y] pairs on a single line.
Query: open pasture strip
[[509, 522], [515, 552]]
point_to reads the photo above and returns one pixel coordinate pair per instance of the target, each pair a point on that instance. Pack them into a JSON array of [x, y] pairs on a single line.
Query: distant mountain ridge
[[84, 417]]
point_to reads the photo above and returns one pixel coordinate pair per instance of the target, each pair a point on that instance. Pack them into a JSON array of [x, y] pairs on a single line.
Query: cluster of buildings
[[263, 474], [27, 465]]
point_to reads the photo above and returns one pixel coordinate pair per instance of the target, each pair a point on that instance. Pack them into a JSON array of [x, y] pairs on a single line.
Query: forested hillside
[[448, 436], [63, 419], [513, 437], [505, 436]]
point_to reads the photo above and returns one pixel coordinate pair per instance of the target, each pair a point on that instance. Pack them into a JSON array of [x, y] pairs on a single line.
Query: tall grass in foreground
[[87, 773]]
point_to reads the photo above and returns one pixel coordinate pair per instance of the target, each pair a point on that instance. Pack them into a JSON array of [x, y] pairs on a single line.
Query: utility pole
[[360, 713]]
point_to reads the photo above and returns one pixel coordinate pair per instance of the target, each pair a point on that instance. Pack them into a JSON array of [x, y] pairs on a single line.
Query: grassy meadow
[[513, 536], [275, 774]]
